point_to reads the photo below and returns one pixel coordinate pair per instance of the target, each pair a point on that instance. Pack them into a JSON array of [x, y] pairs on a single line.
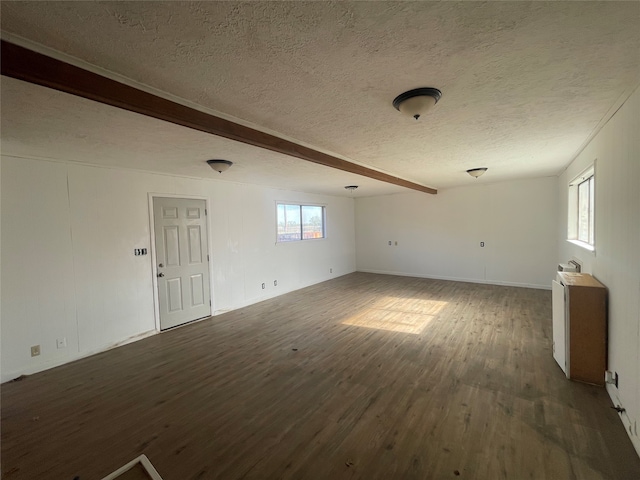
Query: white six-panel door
[[182, 260]]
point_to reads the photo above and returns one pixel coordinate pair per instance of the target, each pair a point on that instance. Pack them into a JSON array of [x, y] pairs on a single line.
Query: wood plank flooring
[[362, 377]]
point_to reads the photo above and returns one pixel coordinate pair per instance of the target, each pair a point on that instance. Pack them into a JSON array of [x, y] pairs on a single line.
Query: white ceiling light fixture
[[219, 165], [417, 102], [476, 172]]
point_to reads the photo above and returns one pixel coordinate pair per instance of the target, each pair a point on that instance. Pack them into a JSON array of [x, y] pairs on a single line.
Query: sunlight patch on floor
[[410, 305], [405, 315]]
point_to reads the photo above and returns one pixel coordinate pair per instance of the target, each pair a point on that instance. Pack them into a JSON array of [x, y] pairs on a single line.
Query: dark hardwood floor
[[365, 376]]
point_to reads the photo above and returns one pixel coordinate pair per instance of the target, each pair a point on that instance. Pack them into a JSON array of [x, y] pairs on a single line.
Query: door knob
[[161, 274]]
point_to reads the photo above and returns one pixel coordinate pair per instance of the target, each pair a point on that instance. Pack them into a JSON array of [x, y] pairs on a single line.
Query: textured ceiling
[[97, 134], [524, 84]]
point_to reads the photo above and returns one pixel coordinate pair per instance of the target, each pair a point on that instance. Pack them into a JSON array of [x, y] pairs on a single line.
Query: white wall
[[439, 235], [68, 269], [616, 261]]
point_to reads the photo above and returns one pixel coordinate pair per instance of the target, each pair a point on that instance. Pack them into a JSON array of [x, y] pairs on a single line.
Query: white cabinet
[[580, 327]]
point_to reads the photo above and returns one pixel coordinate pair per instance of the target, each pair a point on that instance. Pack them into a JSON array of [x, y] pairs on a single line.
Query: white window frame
[[586, 177], [301, 205]]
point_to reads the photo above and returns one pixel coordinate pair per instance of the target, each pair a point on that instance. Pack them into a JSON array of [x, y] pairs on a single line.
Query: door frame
[[154, 262]]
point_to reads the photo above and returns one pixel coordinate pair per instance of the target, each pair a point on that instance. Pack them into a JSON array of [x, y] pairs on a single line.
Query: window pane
[[299, 222], [581, 207], [312, 222], [289, 225], [583, 212]]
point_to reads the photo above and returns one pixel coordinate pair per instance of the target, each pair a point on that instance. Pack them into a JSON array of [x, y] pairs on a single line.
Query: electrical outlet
[[482, 244], [275, 283], [263, 286], [35, 350], [389, 242], [331, 270], [61, 342]]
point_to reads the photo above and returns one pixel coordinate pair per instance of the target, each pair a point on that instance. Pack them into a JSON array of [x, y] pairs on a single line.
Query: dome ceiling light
[[220, 165], [417, 102], [476, 172]]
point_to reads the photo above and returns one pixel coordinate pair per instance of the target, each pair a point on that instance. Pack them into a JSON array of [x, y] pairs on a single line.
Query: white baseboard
[[284, 291], [457, 279], [41, 367], [630, 425]]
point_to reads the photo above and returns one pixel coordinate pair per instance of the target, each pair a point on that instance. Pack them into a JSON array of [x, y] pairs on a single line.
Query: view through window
[[581, 221], [300, 222], [585, 210]]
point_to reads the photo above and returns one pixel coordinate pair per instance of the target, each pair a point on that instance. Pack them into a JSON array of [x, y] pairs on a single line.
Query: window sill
[[584, 245], [306, 240]]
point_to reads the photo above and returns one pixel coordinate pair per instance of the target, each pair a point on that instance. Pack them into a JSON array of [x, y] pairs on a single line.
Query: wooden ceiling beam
[[33, 67]]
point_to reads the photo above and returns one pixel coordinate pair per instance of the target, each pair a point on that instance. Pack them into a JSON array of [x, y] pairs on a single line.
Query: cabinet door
[[559, 326]]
